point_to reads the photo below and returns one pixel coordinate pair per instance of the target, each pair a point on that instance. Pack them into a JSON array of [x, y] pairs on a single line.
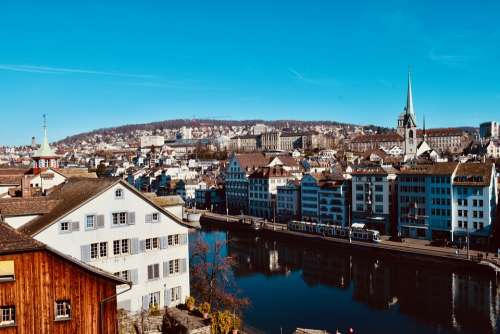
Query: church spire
[[409, 98]]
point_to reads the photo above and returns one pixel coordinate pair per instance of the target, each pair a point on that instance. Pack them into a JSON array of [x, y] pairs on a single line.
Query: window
[[90, 222], [379, 188], [116, 247], [173, 266], [119, 218], [63, 310], [93, 251], [8, 314], [153, 271], [154, 300], [119, 193], [152, 243], [122, 274], [7, 271], [121, 246], [64, 227], [155, 217], [125, 248], [173, 240], [475, 225], [103, 249], [175, 294]]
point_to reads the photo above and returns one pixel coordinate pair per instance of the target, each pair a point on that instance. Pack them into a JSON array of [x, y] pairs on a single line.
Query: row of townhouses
[[447, 200]]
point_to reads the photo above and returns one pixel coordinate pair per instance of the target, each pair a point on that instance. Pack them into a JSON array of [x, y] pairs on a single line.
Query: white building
[[262, 189], [110, 225], [474, 201], [372, 189], [148, 141]]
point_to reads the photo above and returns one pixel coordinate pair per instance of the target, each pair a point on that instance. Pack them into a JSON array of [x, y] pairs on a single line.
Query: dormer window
[[119, 193]]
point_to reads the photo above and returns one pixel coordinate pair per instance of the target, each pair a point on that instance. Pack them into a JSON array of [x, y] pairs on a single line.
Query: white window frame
[[103, 246], [157, 215], [175, 294], [155, 271], [174, 267], [154, 299], [96, 252], [7, 315], [116, 218], [94, 222], [62, 310], [119, 194], [152, 244], [64, 230]]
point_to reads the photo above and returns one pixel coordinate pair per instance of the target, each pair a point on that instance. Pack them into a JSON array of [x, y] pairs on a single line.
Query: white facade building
[[110, 225]]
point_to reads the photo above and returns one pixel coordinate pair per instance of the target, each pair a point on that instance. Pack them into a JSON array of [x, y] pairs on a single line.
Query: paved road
[[410, 246]]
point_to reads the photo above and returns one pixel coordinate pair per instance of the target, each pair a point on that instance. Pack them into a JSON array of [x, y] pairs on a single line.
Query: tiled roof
[[11, 180], [440, 168], [71, 195], [164, 201], [441, 132], [26, 206], [76, 172], [269, 172], [288, 160], [13, 171], [375, 138], [12, 241], [473, 174], [252, 160], [369, 170]]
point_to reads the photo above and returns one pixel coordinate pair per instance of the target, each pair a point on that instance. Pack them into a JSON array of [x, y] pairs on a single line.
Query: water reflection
[[435, 298]]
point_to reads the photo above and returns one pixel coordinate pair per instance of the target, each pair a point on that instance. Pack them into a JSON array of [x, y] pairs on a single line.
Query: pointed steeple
[[45, 150], [409, 111]]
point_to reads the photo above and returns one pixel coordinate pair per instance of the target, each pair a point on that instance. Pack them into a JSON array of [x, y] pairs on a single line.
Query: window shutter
[[100, 221], [180, 293], [183, 266], [134, 246], [145, 302], [134, 276], [85, 253], [142, 244], [150, 272], [131, 218], [165, 269], [184, 239], [168, 294], [148, 219], [163, 242], [75, 226]]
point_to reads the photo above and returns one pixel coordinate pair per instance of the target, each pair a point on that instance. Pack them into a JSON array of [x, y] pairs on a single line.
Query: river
[[294, 285]]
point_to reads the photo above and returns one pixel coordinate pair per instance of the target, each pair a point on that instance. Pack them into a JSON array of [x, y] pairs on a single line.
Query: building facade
[[263, 186], [373, 197], [110, 225]]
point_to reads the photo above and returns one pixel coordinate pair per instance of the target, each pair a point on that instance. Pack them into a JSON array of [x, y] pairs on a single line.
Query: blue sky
[[92, 64]]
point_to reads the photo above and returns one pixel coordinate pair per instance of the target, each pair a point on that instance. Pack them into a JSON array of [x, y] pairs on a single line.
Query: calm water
[[293, 285]]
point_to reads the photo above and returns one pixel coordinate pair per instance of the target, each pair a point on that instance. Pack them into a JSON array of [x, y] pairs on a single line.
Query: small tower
[[45, 156], [407, 125]]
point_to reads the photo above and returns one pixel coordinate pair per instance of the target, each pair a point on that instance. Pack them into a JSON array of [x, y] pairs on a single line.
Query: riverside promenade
[[414, 248]]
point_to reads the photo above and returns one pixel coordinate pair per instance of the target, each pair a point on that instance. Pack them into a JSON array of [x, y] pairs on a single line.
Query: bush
[[205, 307], [190, 303], [222, 322]]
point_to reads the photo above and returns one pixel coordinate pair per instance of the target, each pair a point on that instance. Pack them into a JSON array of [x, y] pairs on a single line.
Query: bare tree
[[211, 274]]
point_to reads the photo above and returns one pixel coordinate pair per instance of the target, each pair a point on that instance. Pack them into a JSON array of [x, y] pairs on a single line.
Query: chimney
[[25, 186]]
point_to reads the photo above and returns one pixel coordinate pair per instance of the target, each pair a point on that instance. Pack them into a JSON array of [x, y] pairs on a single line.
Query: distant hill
[[178, 123]]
